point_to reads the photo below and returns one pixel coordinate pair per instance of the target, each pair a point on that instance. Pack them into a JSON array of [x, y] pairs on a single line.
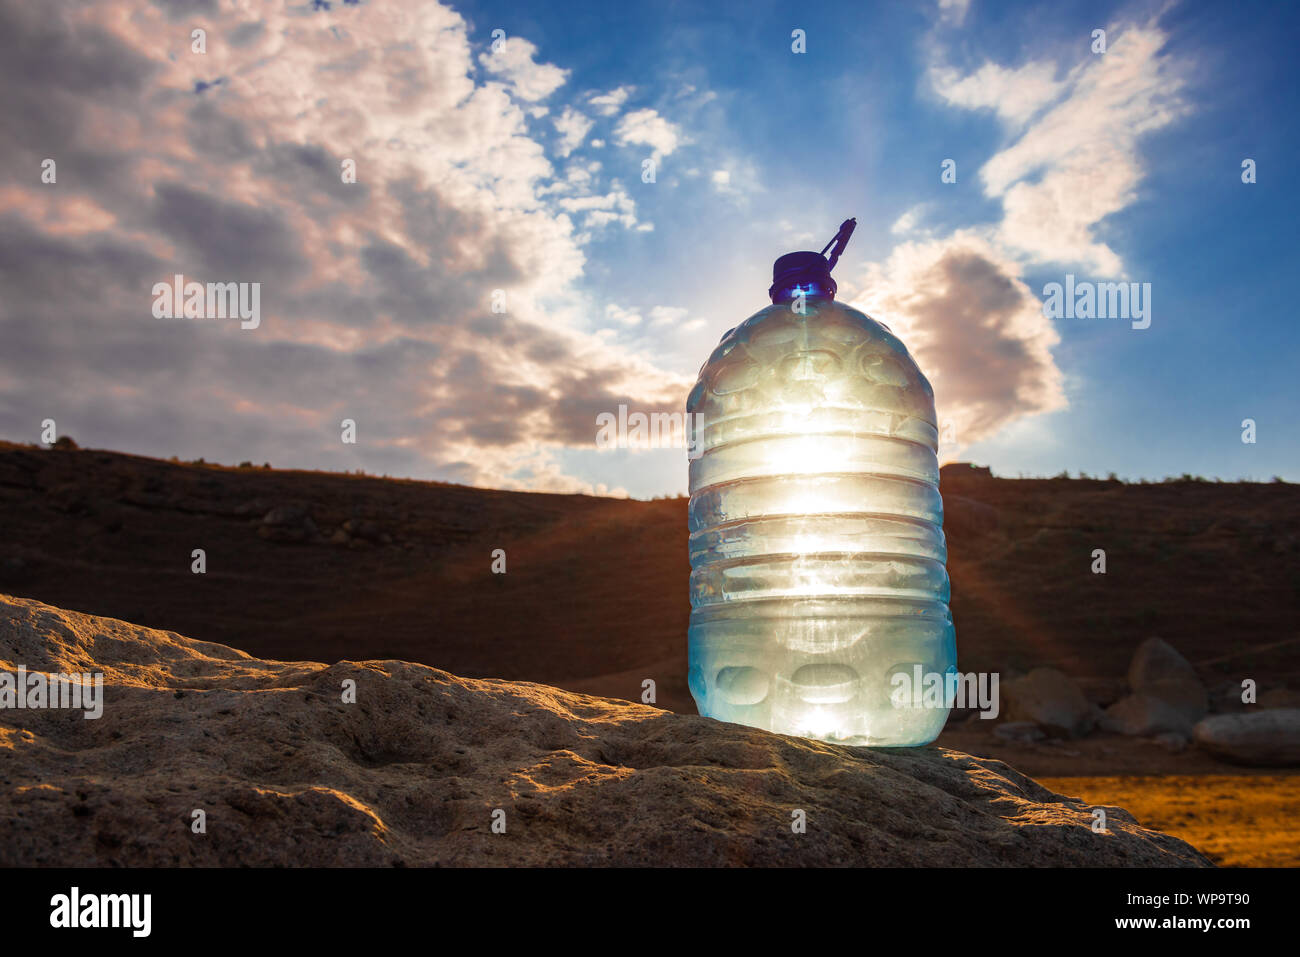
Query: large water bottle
[[817, 548]]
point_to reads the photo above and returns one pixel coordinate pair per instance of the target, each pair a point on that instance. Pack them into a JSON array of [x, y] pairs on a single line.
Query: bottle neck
[[808, 289]]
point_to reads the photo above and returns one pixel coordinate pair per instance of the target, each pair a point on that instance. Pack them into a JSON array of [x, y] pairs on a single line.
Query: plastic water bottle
[[817, 547]]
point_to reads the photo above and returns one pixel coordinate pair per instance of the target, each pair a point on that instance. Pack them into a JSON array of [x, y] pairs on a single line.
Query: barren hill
[[308, 565]]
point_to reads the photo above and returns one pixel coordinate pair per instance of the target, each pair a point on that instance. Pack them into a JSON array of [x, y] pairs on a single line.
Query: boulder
[[1269, 738], [1051, 700], [1159, 671], [419, 768], [1145, 716], [288, 523]]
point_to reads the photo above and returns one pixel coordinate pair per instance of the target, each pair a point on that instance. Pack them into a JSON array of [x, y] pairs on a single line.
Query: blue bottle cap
[[808, 272]]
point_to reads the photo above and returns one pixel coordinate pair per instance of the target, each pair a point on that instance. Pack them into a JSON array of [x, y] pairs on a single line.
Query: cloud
[[615, 206], [1078, 162], [625, 317], [973, 326], [529, 80], [959, 301], [908, 221], [647, 128], [607, 104], [1015, 94], [573, 128], [953, 11], [377, 296]]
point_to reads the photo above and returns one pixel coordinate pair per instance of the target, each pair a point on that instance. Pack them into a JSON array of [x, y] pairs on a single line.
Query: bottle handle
[[840, 241]]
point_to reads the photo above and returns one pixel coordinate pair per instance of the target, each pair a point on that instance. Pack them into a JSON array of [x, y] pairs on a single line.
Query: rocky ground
[[428, 768]]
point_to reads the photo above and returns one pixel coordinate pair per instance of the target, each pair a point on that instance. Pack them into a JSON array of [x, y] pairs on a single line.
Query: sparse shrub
[[65, 443]]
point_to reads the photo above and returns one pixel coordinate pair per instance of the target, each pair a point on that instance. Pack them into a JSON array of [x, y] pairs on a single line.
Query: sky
[[458, 249]]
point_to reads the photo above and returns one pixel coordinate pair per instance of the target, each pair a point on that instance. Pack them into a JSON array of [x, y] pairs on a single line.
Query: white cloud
[[616, 206], [513, 62], [647, 128], [1078, 162], [906, 223], [607, 104], [1016, 94], [953, 11], [624, 317], [573, 128]]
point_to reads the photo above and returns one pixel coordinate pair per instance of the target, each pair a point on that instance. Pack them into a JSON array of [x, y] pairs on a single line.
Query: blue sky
[[519, 168]]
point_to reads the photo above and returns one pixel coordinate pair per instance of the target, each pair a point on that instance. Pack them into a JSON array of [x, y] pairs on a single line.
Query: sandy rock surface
[[412, 773]]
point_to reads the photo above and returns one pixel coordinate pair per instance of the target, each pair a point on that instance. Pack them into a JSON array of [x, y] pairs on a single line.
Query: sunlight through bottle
[[818, 586]]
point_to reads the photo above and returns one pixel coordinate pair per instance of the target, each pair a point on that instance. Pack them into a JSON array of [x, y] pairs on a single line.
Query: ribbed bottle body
[[817, 549]]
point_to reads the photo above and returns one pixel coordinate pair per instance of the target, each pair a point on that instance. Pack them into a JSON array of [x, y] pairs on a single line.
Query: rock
[[1018, 732], [1280, 698], [1259, 738], [1144, 716], [288, 523], [289, 515], [1051, 700], [1161, 672], [288, 774]]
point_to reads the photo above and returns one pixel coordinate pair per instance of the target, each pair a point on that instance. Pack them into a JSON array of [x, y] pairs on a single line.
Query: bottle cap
[[808, 272]]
